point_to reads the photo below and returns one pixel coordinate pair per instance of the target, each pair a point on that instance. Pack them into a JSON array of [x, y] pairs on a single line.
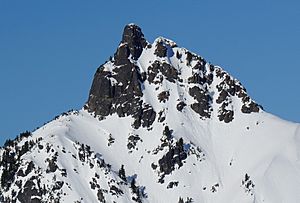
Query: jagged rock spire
[[123, 97], [134, 38]]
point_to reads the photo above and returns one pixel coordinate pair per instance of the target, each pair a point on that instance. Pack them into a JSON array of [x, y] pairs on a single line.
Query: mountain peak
[[134, 38], [159, 120]]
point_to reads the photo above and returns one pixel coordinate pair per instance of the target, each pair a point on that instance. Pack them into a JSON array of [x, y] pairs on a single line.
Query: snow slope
[[195, 136]]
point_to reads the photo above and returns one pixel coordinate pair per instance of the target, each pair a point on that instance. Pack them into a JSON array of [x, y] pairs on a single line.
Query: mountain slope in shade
[[160, 125]]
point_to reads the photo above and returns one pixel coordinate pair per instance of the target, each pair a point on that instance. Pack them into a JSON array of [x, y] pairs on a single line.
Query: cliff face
[[160, 125]]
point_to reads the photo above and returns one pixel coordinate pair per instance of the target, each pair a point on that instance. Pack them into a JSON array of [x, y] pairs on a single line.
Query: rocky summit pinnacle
[[161, 125], [134, 38]]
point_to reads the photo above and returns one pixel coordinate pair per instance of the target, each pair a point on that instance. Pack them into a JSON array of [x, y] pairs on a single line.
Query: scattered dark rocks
[[115, 190], [180, 106], [93, 185], [144, 117], [222, 96], [230, 87], [167, 134], [252, 107], [248, 184], [178, 55], [161, 116], [30, 192], [169, 72], [153, 166], [193, 150], [225, 114], [163, 96], [161, 49], [220, 73], [202, 106], [52, 167], [64, 172], [100, 196], [196, 79], [166, 69], [188, 200], [122, 174], [201, 109], [30, 167], [111, 140], [132, 141], [199, 94], [172, 184], [137, 191], [214, 188], [58, 185], [175, 155], [189, 58]]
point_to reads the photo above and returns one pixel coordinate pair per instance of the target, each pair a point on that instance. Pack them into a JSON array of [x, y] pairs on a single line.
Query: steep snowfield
[[230, 150], [267, 152]]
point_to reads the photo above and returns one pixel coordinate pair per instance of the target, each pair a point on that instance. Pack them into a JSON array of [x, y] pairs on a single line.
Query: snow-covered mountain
[[161, 125]]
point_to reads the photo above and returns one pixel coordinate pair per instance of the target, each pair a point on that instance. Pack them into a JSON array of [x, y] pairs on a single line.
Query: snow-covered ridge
[[160, 125]]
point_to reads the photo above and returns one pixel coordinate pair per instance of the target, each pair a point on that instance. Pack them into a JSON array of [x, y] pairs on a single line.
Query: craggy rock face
[[119, 89], [125, 96]]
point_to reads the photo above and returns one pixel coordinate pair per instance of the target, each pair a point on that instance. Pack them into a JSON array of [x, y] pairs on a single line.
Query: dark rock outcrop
[[225, 115], [122, 97], [175, 155], [120, 90], [229, 88], [170, 73], [180, 106], [30, 192], [163, 96], [161, 50], [252, 107], [134, 38], [203, 104]]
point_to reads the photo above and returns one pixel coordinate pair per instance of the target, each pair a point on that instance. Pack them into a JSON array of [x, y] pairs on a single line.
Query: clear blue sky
[[49, 50]]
